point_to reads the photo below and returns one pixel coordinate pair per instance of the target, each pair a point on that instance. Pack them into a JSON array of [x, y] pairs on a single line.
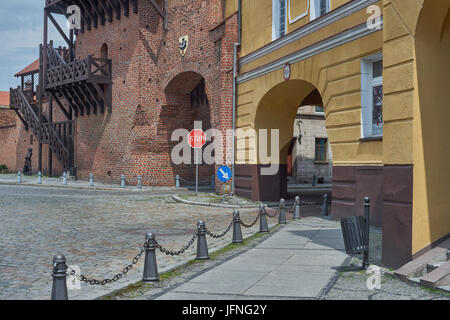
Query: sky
[[21, 32]]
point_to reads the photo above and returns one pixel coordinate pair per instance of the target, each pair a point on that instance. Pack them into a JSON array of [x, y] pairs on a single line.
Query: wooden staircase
[[85, 84], [58, 135]]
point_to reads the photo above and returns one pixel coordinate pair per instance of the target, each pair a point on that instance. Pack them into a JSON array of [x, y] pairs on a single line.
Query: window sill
[[321, 162], [376, 138]]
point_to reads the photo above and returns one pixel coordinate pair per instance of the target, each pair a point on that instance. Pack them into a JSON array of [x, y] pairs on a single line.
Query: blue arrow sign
[[224, 174]]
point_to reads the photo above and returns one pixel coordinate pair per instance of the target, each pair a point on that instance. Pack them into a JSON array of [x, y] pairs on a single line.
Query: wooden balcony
[[92, 70]]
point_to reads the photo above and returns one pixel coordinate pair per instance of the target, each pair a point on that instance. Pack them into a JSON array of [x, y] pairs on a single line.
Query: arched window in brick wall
[[104, 51]]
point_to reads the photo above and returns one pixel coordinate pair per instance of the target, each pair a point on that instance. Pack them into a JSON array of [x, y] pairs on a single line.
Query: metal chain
[[252, 224], [310, 203], [304, 203], [217, 236], [273, 215], [176, 253], [118, 276]]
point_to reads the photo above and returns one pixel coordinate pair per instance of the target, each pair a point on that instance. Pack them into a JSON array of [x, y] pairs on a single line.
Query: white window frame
[[319, 112], [314, 12], [276, 17], [368, 82]]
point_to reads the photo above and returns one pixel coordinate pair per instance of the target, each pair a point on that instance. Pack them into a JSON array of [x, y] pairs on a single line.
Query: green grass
[[436, 291]]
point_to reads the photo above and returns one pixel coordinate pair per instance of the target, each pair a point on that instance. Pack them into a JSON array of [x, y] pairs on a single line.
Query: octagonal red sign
[[197, 138]]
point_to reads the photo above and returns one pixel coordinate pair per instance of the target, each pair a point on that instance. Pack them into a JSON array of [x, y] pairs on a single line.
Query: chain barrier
[[218, 236], [273, 215], [176, 253], [252, 224], [130, 266], [118, 276]]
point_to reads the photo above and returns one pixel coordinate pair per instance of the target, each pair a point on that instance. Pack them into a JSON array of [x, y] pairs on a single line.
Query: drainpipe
[[236, 45]]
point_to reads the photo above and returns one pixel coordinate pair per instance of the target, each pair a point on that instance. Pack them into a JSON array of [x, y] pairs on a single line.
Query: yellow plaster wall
[[408, 135], [416, 109], [257, 23], [271, 102], [231, 6]]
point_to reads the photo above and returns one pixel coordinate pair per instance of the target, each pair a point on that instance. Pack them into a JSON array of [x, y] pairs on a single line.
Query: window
[[279, 18], [319, 8], [104, 51], [321, 150], [372, 96], [318, 109]]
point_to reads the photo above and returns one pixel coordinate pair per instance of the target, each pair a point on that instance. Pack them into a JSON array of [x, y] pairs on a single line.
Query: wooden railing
[[19, 103], [89, 69], [58, 135]]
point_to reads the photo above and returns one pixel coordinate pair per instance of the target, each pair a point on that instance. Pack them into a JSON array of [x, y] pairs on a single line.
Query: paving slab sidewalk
[[298, 262]]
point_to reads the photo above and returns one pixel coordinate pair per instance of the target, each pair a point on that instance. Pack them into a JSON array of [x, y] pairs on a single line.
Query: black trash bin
[[355, 235]]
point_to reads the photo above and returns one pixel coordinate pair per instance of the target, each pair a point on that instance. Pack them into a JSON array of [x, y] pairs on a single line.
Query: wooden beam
[[155, 5], [100, 102], [25, 124], [100, 12], [86, 14], [116, 6], [69, 101], [60, 105], [78, 100], [61, 32], [126, 7], [108, 9], [135, 6], [163, 12]]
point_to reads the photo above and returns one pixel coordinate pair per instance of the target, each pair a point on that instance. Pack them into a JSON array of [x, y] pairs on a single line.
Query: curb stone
[[210, 204]]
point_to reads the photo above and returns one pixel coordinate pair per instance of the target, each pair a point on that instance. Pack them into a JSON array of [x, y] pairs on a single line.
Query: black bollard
[[150, 266], [325, 205], [202, 246], [297, 208], [59, 287], [263, 227], [367, 217], [237, 232], [282, 217]]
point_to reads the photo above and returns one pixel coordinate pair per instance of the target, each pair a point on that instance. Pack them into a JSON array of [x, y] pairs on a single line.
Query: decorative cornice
[[319, 47], [315, 25]]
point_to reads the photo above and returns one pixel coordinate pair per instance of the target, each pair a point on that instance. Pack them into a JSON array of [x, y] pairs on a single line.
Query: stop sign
[[197, 138]]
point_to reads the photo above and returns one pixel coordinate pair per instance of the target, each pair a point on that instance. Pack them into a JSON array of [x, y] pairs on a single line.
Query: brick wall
[[8, 137], [150, 92]]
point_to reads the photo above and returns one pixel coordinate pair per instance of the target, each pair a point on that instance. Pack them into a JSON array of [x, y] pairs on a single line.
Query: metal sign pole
[[196, 171]]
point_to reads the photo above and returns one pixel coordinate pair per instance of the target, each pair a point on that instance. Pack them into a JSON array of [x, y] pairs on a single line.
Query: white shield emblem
[[183, 43]]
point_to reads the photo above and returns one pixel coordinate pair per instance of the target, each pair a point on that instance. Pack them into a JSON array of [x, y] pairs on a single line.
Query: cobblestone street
[[99, 231]]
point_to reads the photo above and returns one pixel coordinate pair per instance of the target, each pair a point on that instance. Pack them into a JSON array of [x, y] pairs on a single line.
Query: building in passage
[[380, 69], [310, 160]]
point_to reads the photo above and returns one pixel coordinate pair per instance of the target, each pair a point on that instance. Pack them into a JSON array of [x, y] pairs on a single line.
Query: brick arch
[[182, 68], [177, 112]]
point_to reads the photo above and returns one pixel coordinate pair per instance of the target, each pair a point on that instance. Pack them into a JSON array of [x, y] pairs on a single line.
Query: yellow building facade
[[381, 70]]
